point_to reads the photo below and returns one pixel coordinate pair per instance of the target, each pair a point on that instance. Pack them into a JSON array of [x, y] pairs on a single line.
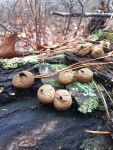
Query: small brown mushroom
[[23, 79], [62, 100], [97, 51], [66, 77], [46, 94], [84, 75], [82, 49]]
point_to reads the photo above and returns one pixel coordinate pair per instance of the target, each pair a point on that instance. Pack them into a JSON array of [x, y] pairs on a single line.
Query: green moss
[[50, 68], [54, 66], [101, 34], [58, 66], [108, 35], [96, 35], [54, 83]]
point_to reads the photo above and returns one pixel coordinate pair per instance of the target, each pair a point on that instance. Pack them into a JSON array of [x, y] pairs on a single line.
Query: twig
[[107, 93], [80, 18], [105, 105], [98, 132], [103, 100], [5, 28], [75, 65]]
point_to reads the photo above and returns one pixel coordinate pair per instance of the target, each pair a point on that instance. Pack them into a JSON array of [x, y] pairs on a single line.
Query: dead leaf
[[7, 48]]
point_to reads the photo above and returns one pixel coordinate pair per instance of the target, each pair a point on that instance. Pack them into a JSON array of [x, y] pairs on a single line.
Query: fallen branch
[[64, 14]]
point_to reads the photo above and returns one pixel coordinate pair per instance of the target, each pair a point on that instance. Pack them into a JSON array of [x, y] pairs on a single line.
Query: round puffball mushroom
[[62, 100], [46, 94], [23, 79], [66, 77], [84, 75], [82, 49], [97, 51]]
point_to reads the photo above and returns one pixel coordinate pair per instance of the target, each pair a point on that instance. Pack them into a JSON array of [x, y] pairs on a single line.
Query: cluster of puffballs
[[46, 94], [84, 49]]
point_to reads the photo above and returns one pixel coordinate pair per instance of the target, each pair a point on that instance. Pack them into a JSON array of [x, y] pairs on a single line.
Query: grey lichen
[[85, 95], [17, 62]]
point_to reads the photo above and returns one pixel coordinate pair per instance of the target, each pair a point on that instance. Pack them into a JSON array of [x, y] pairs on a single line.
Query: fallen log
[[64, 14]]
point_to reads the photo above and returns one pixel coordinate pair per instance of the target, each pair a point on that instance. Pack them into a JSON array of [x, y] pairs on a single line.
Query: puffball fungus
[[46, 94], [62, 100], [84, 75], [23, 79], [82, 49], [97, 51], [66, 77]]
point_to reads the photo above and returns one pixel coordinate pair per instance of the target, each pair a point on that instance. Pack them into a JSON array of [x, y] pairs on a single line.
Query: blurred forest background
[[35, 23]]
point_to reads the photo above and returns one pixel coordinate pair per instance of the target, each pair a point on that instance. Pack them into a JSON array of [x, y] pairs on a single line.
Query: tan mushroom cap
[[84, 75], [66, 77], [23, 79], [62, 100], [46, 94], [82, 49], [97, 51]]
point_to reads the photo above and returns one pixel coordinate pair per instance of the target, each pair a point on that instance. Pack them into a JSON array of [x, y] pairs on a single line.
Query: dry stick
[[103, 100], [110, 54], [98, 132], [91, 64], [107, 93], [69, 67], [86, 61], [105, 105], [5, 28], [56, 51]]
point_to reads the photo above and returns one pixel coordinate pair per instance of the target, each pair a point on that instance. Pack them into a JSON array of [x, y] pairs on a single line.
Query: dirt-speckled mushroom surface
[[62, 100], [84, 75], [46, 94], [23, 79]]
